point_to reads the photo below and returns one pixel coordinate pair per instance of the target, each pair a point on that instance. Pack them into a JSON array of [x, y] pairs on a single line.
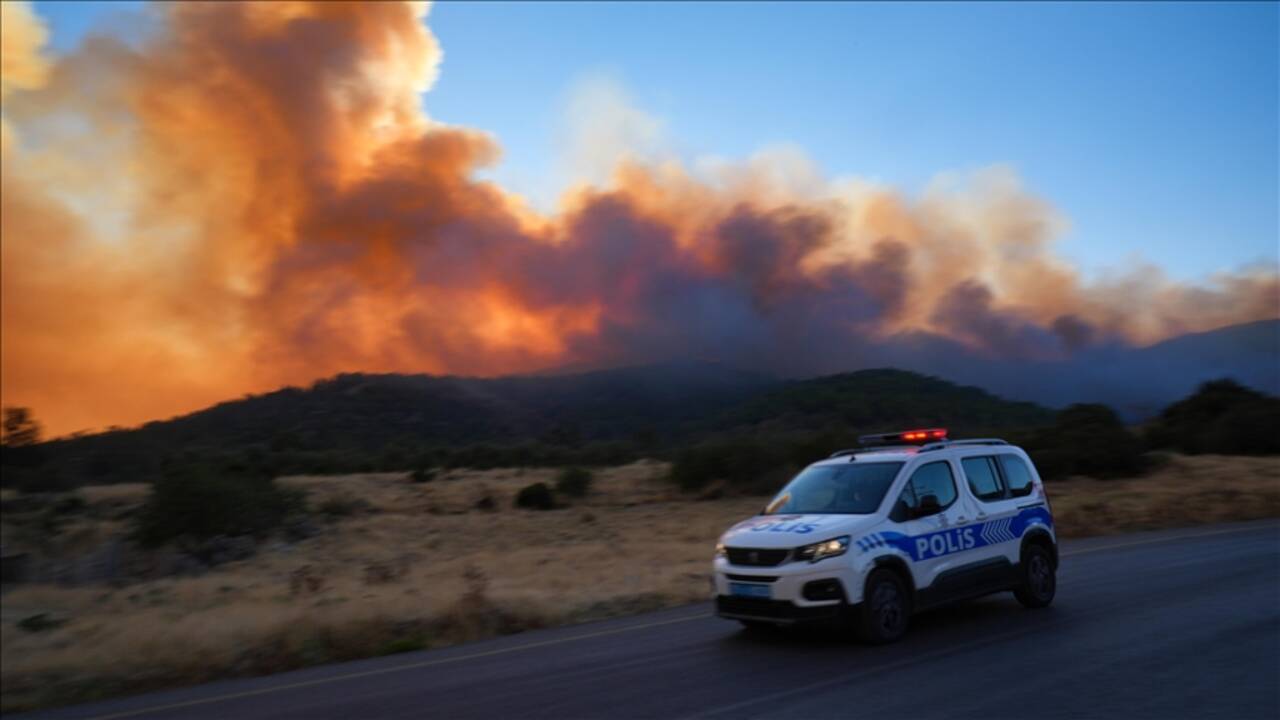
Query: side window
[[983, 479], [934, 479], [1017, 474]]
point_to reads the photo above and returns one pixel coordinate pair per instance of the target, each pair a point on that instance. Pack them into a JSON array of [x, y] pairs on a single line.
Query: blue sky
[[1153, 127]]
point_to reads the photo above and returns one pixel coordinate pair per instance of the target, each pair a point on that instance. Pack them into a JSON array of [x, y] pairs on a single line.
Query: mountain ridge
[[394, 421]]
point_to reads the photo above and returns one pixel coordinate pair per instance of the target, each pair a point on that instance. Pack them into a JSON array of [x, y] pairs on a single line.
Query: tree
[[1221, 416], [20, 427], [1089, 440]]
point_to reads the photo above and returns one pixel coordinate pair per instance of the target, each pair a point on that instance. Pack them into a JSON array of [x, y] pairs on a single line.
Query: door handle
[[962, 519]]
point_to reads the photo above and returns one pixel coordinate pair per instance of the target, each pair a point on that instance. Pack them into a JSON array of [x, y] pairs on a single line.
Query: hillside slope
[[880, 399], [393, 422]]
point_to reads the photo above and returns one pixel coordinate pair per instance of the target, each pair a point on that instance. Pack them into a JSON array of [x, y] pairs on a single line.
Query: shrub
[[403, 645], [574, 482], [535, 497], [696, 467], [40, 623], [485, 501], [69, 505], [422, 475], [742, 464], [200, 504]]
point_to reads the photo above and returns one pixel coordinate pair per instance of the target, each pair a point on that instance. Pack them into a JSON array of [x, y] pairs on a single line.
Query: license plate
[[749, 590]]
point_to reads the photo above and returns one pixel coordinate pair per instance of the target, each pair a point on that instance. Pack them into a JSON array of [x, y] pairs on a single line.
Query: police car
[[870, 536]]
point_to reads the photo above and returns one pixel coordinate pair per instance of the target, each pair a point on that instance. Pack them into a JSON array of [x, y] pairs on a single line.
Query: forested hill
[[360, 421]]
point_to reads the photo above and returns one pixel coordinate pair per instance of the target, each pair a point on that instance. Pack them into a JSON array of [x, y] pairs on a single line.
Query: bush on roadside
[[200, 504], [535, 497], [412, 643], [574, 482], [422, 475]]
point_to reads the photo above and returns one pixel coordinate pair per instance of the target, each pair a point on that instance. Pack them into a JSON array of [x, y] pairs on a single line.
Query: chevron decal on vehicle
[[997, 531]]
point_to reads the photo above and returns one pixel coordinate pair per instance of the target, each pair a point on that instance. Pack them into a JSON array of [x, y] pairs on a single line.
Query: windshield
[[855, 488]]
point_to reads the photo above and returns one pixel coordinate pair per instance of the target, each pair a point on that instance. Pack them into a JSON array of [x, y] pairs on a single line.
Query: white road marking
[[1153, 541]]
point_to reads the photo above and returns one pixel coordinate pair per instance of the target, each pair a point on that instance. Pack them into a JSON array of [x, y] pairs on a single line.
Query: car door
[[940, 540], [995, 515]]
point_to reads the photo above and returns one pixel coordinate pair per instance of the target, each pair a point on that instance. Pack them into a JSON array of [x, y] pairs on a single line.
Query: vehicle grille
[[757, 557]]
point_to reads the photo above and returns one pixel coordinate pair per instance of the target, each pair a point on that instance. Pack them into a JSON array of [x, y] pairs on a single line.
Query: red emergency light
[[906, 437]]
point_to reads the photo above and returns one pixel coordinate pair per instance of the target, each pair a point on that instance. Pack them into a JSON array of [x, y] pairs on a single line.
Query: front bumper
[[798, 592], [782, 612]]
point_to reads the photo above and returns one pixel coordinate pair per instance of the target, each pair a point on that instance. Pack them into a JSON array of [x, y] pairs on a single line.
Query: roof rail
[[873, 449], [951, 443]]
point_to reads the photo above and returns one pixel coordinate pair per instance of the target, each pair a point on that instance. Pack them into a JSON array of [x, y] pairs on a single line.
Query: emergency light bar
[[906, 437]]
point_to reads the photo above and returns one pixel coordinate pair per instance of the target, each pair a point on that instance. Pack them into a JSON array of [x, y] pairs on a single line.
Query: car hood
[[788, 531]]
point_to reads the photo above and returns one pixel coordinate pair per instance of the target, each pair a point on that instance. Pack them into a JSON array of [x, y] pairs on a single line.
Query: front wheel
[[1039, 580], [886, 608]]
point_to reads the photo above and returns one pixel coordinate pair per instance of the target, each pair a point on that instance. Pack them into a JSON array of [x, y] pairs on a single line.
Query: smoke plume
[[250, 195]]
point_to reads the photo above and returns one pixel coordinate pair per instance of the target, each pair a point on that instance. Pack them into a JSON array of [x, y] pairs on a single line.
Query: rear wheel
[[885, 611], [1039, 580]]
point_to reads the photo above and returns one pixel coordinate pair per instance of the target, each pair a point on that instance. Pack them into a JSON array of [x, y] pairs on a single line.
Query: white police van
[[870, 536]]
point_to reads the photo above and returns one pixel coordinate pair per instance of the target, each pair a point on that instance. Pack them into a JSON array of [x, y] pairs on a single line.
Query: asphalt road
[[1166, 625]]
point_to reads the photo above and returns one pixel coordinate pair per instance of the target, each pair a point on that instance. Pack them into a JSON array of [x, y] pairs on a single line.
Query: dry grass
[[124, 493], [418, 565], [1183, 491], [413, 565]]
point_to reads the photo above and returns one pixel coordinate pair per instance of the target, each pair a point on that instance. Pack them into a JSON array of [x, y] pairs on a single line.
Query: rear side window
[[1017, 474], [983, 478]]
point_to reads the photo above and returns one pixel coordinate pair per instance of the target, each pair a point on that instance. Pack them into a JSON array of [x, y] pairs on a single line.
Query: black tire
[[885, 611], [1039, 578]]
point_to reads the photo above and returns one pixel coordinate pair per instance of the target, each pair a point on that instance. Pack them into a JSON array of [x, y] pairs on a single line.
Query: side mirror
[[928, 506]]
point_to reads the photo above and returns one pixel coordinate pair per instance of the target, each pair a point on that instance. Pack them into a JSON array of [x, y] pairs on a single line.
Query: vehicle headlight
[[828, 548], [720, 551]]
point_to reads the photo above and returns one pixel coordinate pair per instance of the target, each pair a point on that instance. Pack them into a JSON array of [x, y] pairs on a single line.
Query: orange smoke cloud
[[253, 196]]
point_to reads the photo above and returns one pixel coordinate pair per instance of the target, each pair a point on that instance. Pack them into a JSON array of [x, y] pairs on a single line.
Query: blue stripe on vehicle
[[965, 537]]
